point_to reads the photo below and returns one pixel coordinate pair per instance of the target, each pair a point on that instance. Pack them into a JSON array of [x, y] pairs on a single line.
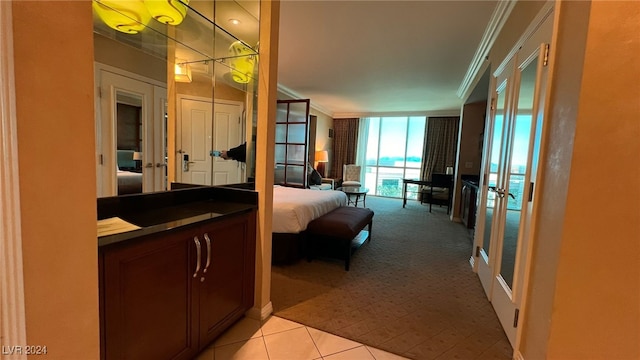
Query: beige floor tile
[[252, 349], [276, 324], [359, 353], [291, 344], [383, 355], [244, 329], [329, 344]]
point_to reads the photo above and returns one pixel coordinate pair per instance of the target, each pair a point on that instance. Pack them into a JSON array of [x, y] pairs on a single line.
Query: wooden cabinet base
[[158, 301]]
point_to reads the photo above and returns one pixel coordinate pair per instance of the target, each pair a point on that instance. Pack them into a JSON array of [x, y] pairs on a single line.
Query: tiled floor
[[280, 339]]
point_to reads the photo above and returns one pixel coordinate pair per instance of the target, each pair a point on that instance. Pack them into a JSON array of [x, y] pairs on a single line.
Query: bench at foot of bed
[[343, 228]]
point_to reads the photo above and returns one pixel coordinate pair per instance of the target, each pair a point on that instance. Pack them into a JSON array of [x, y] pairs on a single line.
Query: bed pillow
[[315, 178]]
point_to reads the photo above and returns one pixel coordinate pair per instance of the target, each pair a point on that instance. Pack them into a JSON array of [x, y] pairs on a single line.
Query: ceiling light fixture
[[132, 16], [242, 62], [234, 21], [129, 17], [170, 12]]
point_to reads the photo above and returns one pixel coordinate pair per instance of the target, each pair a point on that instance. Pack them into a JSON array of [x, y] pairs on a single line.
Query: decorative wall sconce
[[182, 72], [242, 63], [132, 16]]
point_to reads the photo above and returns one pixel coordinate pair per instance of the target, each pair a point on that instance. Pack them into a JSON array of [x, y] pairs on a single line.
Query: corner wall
[[596, 307], [53, 44]]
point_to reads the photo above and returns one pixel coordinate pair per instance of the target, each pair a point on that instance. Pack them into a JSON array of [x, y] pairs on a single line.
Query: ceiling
[[379, 57]]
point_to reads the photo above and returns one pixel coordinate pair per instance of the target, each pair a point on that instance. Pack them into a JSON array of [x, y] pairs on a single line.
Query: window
[[393, 151]]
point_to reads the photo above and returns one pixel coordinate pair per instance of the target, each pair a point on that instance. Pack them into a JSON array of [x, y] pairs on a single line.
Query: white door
[[227, 134], [195, 147], [510, 170], [201, 131], [128, 153]]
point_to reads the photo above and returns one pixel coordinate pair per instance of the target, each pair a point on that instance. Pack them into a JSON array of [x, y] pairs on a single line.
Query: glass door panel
[[494, 160], [291, 147], [517, 176]]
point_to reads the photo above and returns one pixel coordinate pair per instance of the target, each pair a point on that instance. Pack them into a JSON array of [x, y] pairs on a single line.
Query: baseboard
[[518, 356], [260, 314]]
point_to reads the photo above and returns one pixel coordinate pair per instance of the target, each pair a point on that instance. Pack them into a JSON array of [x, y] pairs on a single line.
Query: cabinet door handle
[[198, 251], [206, 266]]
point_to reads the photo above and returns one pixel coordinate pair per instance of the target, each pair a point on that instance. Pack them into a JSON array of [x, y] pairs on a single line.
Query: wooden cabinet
[[167, 296], [226, 289]]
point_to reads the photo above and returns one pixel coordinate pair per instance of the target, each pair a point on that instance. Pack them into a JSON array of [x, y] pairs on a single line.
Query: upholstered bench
[[344, 227]]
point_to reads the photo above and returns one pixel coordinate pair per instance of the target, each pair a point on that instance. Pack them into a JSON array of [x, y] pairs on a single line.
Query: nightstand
[[329, 181]]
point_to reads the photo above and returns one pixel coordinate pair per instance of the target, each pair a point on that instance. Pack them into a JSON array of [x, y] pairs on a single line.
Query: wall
[[469, 147], [110, 52], [597, 283], [616, 330], [323, 142], [56, 150]]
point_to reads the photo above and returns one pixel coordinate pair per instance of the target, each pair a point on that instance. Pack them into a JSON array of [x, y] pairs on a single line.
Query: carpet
[[410, 290]]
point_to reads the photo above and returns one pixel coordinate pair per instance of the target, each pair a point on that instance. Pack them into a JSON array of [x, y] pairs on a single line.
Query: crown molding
[[430, 113], [295, 95], [498, 18]]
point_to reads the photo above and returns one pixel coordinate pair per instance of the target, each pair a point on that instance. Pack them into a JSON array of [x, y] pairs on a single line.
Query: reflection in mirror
[[200, 98], [129, 143]]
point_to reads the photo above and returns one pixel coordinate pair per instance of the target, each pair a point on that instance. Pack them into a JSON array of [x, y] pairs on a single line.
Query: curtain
[[344, 145], [440, 146]]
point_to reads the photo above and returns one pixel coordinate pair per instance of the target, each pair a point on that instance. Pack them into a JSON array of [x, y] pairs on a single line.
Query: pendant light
[[129, 17], [170, 12], [243, 62]]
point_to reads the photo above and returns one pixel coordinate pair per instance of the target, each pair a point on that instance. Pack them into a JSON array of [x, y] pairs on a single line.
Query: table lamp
[[322, 157]]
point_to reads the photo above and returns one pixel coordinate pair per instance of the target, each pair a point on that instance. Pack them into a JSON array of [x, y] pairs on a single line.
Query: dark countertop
[[163, 211]]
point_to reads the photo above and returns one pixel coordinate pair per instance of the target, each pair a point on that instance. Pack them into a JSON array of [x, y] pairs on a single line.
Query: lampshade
[[243, 62], [183, 72], [170, 12], [322, 156], [129, 17], [137, 155]]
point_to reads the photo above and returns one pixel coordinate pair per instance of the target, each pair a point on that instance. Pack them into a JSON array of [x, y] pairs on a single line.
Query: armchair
[[351, 175]]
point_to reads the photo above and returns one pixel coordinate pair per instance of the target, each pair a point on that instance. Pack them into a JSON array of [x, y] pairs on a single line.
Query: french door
[[510, 166], [130, 133]]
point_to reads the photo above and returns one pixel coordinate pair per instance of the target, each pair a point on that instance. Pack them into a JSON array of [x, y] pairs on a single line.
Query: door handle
[[208, 240], [148, 165], [198, 251], [160, 165]]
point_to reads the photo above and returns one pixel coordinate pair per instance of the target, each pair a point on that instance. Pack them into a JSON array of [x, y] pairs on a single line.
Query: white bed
[[294, 208], [129, 182]]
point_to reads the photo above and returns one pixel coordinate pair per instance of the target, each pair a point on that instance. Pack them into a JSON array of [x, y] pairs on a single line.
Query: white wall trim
[[435, 113], [260, 314], [546, 11], [285, 90], [12, 312], [498, 18]]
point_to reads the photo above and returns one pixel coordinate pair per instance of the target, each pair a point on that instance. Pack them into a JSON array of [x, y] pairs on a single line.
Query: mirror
[[185, 94]]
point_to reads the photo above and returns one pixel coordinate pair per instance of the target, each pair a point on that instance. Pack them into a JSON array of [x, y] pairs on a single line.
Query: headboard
[[125, 159]]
